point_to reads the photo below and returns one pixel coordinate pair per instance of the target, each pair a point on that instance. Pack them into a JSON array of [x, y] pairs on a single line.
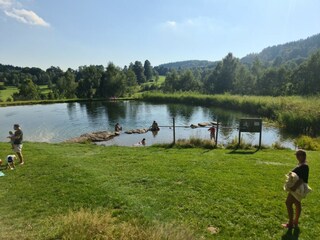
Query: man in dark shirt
[[17, 142]]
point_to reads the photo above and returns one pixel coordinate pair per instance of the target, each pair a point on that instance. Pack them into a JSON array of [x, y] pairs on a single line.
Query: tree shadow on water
[[291, 234]]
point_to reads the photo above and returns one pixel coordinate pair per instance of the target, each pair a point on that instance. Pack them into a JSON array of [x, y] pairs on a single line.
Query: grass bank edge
[[33, 102]]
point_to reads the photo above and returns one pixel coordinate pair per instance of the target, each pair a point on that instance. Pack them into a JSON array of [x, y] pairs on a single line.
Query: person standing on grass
[[212, 130], [17, 142], [302, 170]]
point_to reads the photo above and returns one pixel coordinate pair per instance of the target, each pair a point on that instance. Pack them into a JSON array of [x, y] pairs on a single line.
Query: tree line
[[94, 81], [229, 75]]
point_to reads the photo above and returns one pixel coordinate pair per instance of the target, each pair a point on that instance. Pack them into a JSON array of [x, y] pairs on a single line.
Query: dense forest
[[231, 76], [163, 69], [94, 81], [288, 69]]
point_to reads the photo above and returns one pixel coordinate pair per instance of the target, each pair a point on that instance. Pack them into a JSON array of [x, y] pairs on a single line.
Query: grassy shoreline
[[32, 102], [64, 188]]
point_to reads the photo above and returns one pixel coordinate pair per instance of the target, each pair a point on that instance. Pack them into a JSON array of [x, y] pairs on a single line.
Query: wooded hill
[[295, 52], [188, 64], [291, 53]]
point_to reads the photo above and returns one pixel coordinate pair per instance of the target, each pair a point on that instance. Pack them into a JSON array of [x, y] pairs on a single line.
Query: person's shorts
[[17, 147]]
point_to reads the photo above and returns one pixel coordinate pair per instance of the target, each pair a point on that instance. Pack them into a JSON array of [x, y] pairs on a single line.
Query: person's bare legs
[[298, 212], [20, 156], [289, 203]]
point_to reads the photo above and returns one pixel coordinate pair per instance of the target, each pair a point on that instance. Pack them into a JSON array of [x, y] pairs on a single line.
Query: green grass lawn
[[153, 83], [68, 188], [161, 79], [7, 93], [44, 89]]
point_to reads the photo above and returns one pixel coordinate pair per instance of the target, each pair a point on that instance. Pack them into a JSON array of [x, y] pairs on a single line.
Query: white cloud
[[171, 24], [5, 3], [15, 10], [198, 25], [25, 16], [205, 23]]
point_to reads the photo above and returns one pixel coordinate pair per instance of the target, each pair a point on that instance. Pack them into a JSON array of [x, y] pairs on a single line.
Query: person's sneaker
[[22, 163], [287, 225]]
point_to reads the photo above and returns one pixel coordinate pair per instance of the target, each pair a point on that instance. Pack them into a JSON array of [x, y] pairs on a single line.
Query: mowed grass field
[[84, 191], [155, 84], [7, 93]]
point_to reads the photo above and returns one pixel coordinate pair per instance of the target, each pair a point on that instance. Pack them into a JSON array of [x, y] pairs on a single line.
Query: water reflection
[[71, 107], [115, 111], [58, 122], [184, 112]]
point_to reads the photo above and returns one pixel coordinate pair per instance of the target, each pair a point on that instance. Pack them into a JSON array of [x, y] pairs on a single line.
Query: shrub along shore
[[85, 191]]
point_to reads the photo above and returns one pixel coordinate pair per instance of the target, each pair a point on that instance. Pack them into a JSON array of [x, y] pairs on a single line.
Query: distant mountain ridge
[[295, 51], [188, 64]]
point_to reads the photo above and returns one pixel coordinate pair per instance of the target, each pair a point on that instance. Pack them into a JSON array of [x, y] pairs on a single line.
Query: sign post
[[174, 131], [250, 125]]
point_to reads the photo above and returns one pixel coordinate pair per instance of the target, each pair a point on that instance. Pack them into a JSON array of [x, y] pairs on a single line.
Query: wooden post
[[174, 131], [260, 139], [217, 132]]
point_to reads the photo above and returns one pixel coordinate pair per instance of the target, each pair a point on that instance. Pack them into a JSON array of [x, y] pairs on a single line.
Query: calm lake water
[[61, 121]]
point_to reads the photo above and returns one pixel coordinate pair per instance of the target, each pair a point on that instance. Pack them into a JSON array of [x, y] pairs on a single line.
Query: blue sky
[[73, 33]]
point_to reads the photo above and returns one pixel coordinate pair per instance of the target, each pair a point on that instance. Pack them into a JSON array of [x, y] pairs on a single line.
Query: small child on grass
[[11, 135], [10, 161]]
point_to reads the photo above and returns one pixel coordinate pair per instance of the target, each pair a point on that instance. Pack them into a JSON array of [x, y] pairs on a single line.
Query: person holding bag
[[297, 187]]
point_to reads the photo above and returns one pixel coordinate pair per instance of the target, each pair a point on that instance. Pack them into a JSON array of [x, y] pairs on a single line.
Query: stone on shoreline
[[138, 131], [94, 137], [204, 124]]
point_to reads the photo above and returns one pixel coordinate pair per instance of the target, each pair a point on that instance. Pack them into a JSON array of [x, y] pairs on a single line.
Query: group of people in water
[[154, 128]]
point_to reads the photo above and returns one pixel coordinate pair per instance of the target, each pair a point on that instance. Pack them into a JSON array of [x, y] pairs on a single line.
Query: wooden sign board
[[250, 125]]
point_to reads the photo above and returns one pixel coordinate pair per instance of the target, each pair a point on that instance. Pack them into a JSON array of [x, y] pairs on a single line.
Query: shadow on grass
[[185, 145], [291, 234], [4, 167], [242, 151]]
